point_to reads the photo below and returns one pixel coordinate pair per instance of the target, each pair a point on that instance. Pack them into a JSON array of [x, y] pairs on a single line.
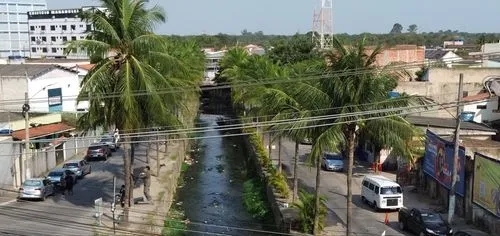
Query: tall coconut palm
[[131, 64]]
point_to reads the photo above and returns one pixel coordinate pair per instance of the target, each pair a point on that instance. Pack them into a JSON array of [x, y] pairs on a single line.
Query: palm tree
[[129, 59]]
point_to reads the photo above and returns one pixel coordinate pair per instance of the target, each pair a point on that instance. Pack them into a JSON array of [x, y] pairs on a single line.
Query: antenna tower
[[322, 33]]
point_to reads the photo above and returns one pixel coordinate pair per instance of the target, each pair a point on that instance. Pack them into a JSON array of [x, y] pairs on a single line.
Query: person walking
[[146, 178], [69, 184]]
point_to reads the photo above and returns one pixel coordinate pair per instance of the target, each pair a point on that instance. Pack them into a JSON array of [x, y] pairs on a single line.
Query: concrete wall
[[442, 84], [45, 119], [7, 160], [12, 88]]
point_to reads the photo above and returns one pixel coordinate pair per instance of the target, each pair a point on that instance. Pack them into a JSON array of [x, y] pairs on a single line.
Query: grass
[[173, 225], [254, 199], [184, 167]]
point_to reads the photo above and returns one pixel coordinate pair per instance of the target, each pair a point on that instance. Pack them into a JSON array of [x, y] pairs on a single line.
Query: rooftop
[[30, 70], [449, 123], [87, 67], [42, 131], [435, 54], [477, 97]]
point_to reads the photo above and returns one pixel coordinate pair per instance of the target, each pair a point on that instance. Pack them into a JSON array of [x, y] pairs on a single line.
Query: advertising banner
[[486, 188], [438, 162]]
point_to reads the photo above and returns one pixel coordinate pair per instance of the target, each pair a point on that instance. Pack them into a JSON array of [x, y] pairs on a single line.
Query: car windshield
[[333, 157], [94, 147], [32, 183], [55, 174], [390, 190], [431, 218], [70, 165]]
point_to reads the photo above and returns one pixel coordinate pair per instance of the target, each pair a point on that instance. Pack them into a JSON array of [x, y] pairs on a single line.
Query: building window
[[32, 28], [44, 50], [64, 27], [65, 39], [82, 37], [53, 38], [43, 27], [53, 28], [33, 49], [73, 38], [44, 39], [33, 39], [481, 107], [54, 50], [73, 27], [82, 26]]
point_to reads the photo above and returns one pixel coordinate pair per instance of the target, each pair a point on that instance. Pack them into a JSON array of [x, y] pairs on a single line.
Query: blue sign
[[55, 99], [438, 162]]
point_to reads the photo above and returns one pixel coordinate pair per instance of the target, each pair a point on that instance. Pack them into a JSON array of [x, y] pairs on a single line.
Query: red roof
[[42, 131], [477, 97], [87, 67]]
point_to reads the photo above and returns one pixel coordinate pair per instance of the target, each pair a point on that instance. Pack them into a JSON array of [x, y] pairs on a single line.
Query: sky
[[188, 17]]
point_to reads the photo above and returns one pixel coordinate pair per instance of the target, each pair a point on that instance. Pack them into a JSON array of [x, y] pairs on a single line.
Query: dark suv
[[99, 151]]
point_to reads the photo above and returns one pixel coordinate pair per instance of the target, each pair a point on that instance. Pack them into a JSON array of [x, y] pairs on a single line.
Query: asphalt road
[[64, 215], [333, 186]]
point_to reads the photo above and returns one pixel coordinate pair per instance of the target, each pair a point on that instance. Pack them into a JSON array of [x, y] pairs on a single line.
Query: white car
[[109, 141]]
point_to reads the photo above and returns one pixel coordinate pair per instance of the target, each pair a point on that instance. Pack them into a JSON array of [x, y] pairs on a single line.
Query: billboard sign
[[486, 187], [438, 162], [55, 99]]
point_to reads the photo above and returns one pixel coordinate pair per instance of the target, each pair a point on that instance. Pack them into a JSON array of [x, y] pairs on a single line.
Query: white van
[[381, 192]]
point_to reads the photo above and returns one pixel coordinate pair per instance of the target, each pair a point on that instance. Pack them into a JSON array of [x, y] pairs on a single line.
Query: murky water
[[212, 193]]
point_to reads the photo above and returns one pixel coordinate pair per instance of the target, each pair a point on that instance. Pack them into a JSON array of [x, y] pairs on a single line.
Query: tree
[[412, 28], [296, 49], [129, 58], [307, 210], [397, 29]]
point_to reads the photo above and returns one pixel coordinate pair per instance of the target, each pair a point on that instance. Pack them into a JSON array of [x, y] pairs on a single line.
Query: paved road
[[333, 185], [64, 215]]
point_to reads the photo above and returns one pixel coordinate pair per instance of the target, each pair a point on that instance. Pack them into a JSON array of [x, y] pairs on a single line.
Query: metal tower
[[322, 33]]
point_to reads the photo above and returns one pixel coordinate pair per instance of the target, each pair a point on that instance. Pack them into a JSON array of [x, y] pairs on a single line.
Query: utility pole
[[158, 153], [451, 205], [26, 109]]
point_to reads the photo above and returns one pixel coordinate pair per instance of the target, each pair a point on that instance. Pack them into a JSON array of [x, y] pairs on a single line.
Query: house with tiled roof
[[445, 57]]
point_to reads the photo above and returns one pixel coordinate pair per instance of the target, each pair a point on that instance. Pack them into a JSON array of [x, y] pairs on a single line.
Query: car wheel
[[363, 199], [402, 225], [375, 205], [90, 170], [43, 197]]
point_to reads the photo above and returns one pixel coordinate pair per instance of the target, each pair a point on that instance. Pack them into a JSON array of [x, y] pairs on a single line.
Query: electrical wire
[[241, 84], [246, 133], [262, 123]]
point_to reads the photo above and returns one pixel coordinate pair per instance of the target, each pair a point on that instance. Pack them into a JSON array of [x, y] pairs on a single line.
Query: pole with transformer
[[451, 205]]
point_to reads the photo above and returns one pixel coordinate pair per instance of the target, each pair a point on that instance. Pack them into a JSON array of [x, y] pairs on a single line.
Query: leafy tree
[[397, 29], [412, 28], [129, 58], [292, 50], [307, 210]]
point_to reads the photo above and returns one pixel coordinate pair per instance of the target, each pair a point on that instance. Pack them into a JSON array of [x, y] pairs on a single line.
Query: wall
[[57, 78], [442, 85], [490, 113], [6, 170], [12, 88], [400, 53], [45, 119]]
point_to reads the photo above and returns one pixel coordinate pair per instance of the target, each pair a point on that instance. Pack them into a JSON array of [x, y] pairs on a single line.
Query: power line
[[261, 124], [252, 126], [268, 81]]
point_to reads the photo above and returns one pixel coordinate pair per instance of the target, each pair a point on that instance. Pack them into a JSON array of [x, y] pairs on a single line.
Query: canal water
[[211, 195]]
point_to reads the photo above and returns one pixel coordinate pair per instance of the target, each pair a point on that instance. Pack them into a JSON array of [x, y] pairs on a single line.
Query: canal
[[211, 195]]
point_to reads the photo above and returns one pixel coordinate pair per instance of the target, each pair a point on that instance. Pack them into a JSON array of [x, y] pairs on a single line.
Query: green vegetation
[[254, 198], [174, 223], [307, 208]]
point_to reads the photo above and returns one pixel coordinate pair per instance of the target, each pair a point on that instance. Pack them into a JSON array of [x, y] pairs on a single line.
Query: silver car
[[79, 167], [109, 141], [37, 188]]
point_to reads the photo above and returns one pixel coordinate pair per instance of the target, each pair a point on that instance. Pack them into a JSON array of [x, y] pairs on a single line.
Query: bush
[[277, 180], [173, 225], [306, 206], [254, 199]]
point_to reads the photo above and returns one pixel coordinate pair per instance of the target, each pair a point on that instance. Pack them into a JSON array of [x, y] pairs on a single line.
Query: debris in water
[[179, 203], [206, 222], [220, 168]]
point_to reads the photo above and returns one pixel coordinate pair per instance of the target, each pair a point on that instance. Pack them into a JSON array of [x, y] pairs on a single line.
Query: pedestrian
[[69, 184], [146, 178]]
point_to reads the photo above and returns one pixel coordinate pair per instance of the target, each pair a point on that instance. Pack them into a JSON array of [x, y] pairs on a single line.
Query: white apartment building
[[14, 33], [50, 30]]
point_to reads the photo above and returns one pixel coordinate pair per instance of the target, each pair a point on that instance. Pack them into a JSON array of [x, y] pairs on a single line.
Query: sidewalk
[[148, 218]]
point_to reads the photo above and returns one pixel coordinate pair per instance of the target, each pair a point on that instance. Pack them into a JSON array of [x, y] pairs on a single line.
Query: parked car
[[423, 222], [332, 161], [381, 192], [57, 178], [110, 141], [36, 188], [98, 151], [79, 167], [470, 232]]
